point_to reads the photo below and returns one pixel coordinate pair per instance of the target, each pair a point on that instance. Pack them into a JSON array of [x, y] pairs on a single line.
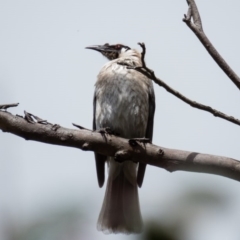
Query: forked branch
[[196, 27]]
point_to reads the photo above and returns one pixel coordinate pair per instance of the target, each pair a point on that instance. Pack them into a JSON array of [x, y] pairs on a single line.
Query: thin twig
[[194, 13], [80, 127], [142, 45], [6, 106], [196, 27], [150, 74], [34, 119]]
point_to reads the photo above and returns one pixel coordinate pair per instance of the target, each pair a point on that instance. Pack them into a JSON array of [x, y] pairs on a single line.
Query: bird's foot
[[105, 131], [135, 141]]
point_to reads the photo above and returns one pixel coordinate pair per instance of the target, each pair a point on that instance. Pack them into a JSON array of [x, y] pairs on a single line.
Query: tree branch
[[150, 74], [110, 145], [6, 106], [196, 27]]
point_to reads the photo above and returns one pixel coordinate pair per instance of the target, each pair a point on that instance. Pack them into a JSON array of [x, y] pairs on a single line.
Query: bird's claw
[[106, 130], [135, 141]]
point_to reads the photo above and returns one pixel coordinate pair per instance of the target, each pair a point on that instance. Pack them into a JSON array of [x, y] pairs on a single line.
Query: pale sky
[[45, 67]]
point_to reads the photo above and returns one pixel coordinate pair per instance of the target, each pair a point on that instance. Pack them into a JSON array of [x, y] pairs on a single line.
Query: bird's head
[[111, 52]]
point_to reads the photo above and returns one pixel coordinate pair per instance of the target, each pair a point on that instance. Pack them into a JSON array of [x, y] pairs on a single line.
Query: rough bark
[[122, 149]]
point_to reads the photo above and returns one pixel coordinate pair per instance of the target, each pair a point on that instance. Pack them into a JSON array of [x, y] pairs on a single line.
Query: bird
[[124, 101]]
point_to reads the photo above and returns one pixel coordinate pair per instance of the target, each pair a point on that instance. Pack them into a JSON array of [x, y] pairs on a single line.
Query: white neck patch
[[124, 49]]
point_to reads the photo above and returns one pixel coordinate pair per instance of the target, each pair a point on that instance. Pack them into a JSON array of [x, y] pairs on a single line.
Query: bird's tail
[[120, 210]]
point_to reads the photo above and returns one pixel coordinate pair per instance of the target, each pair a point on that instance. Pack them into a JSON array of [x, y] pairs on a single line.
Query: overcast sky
[[45, 67]]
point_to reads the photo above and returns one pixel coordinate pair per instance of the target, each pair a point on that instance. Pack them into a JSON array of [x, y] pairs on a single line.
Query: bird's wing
[[149, 133], [100, 159]]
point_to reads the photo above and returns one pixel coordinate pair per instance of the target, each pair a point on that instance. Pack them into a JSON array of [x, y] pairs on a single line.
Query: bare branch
[[32, 118], [150, 74], [193, 12], [196, 27], [169, 159], [142, 45], [6, 106]]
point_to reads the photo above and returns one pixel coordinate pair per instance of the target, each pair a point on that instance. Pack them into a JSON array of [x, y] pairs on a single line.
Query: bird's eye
[[118, 46]]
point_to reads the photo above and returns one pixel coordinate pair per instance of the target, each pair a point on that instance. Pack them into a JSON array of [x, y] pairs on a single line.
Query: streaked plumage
[[123, 101]]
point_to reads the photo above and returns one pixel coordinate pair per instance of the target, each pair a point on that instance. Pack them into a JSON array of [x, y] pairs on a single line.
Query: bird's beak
[[101, 48]]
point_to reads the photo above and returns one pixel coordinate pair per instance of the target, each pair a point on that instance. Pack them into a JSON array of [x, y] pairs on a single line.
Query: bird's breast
[[121, 102]]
